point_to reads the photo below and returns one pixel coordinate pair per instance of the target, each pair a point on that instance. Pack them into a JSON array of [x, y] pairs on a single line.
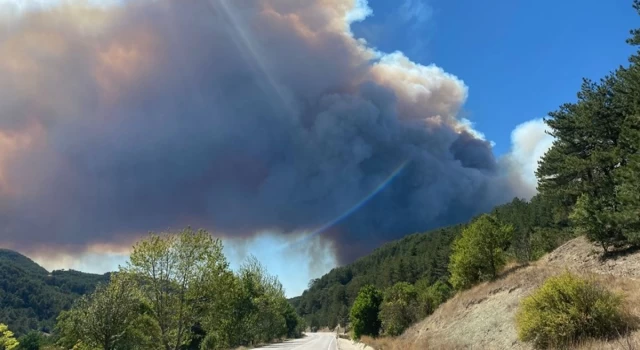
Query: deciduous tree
[[399, 308], [111, 318], [479, 252], [364, 313], [7, 340], [172, 270]]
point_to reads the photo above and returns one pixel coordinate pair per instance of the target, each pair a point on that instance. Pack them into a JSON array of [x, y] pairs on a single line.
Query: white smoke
[[529, 142]]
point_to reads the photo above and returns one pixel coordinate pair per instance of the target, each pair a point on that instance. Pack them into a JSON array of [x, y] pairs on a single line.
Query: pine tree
[[628, 174], [628, 190], [579, 169]]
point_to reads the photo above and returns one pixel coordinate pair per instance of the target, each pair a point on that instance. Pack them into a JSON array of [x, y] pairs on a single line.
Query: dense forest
[[420, 256], [31, 298], [423, 259]]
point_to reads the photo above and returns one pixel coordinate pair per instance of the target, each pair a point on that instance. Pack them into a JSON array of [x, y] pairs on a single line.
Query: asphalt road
[[312, 341]]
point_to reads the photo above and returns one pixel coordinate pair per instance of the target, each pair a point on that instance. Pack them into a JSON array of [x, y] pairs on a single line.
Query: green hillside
[[31, 297], [424, 258]]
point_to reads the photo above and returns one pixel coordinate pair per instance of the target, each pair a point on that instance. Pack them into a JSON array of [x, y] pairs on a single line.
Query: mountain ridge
[[31, 297]]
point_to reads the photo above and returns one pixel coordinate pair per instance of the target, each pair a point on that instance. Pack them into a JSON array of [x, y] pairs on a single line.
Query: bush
[[31, 341], [7, 341], [568, 309], [399, 309], [429, 298]]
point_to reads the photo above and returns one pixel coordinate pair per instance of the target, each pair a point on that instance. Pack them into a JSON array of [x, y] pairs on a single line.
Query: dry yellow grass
[[385, 343], [484, 316]]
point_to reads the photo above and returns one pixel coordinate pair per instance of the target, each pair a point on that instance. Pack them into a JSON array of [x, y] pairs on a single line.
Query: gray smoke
[[237, 116]]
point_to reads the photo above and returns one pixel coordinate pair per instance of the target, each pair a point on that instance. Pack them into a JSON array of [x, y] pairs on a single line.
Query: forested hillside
[[418, 256], [31, 298]]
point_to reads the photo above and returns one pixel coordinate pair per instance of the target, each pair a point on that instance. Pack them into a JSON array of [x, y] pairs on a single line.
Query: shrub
[[568, 309], [31, 341], [7, 341], [431, 297], [399, 309]]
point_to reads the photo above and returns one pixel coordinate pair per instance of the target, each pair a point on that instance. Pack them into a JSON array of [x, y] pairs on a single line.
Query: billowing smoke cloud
[[239, 116], [529, 142]]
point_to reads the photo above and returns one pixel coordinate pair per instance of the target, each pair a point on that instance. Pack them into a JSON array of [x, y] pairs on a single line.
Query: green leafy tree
[[173, 270], [111, 318], [364, 313], [431, 296], [328, 300], [266, 297], [479, 252], [7, 340], [628, 189], [31, 341], [399, 308], [294, 323], [255, 310]]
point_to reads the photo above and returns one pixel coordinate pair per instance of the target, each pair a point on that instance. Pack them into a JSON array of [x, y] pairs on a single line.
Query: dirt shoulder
[[344, 344]]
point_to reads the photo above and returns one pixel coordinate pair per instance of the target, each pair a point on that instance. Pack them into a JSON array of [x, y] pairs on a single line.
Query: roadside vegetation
[[178, 292], [568, 309], [7, 340]]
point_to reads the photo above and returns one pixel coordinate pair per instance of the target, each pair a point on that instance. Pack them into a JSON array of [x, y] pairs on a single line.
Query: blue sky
[[520, 59]]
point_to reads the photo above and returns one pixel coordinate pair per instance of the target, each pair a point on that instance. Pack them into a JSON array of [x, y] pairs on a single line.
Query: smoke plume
[[241, 117]]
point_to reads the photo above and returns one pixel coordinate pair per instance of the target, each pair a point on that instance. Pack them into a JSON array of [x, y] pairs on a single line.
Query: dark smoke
[[237, 116]]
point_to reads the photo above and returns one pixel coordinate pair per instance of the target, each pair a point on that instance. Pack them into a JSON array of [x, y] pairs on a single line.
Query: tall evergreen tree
[[579, 169], [628, 174]]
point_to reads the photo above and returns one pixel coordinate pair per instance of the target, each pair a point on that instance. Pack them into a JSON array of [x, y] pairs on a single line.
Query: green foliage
[[593, 167], [294, 323], [177, 292], [173, 271], [580, 167], [569, 309], [31, 298], [110, 318], [540, 225], [479, 253], [327, 301], [364, 313], [262, 304], [7, 340], [628, 180], [31, 341], [399, 308], [431, 296]]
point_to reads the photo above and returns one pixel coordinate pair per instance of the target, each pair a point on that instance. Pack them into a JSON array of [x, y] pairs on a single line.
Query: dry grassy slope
[[483, 317]]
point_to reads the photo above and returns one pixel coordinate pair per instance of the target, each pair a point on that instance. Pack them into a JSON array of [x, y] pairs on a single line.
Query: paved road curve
[[312, 341]]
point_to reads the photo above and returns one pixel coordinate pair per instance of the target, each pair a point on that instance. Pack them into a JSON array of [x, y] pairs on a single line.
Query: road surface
[[312, 341]]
